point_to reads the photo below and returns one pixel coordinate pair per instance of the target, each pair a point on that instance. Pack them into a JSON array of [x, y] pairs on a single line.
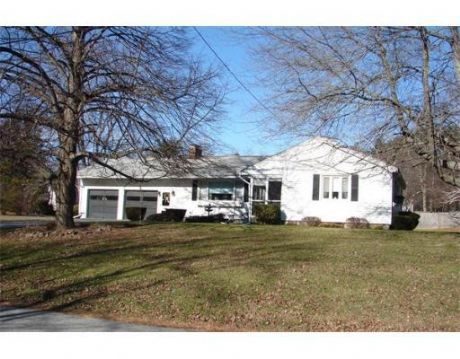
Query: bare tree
[[101, 92], [368, 84], [453, 197], [424, 190], [21, 187]]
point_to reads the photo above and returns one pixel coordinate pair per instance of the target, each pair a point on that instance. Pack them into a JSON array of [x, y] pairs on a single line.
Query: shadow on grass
[[268, 255]]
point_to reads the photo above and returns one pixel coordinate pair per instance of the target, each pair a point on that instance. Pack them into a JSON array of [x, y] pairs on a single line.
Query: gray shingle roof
[[207, 167]]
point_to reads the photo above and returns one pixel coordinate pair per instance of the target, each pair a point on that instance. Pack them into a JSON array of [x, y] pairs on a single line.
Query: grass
[[236, 277]]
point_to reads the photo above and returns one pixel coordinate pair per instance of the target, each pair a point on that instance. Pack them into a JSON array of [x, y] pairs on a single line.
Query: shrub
[[177, 215], [168, 215], [356, 222], [44, 208], [405, 221], [214, 218], [159, 217], [135, 213], [267, 213], [311, 221]]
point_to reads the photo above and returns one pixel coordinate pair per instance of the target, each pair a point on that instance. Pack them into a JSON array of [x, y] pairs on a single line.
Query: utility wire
[[232, 73]]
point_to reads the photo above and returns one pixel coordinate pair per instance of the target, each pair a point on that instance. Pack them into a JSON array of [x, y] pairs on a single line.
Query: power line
[[232, 73]]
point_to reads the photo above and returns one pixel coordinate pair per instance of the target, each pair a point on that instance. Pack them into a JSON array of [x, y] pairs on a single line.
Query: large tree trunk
[[427, 125], [67, 175], [65, 180], [65, 195]]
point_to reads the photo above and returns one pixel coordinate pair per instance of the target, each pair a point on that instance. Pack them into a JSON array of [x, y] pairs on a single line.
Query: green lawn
[[232, 277]]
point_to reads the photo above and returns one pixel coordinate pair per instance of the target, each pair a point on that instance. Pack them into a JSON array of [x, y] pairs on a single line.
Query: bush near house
[[168, 215], [405, 221], [22, 196], [21, 185], [135, 213], [356, 222], [267, 213], [43, 207], [213, 218], [311, 221]]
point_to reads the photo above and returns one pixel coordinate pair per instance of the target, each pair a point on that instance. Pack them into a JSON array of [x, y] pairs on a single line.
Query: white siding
[[296, 167], [374, 201], [180, 196]]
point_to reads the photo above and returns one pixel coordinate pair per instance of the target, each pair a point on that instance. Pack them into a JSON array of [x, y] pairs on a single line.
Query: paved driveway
[[20, 224], [13, 222], [29, 320]]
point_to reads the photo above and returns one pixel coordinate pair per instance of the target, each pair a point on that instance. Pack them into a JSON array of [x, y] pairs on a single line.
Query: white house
[[317, 178]]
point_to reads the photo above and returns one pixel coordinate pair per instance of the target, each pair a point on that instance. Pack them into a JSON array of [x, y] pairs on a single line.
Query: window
[[274, 191], [344, 187], [221, 190], [335, 187], [258, 193], [140, 196], [326, 187], [221, 196], [203, 191], [104, 198]]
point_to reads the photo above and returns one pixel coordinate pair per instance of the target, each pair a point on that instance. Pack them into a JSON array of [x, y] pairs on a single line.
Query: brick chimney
[[195, 152]]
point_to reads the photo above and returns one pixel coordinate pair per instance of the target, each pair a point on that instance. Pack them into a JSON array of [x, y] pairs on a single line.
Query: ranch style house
[[317, 178]]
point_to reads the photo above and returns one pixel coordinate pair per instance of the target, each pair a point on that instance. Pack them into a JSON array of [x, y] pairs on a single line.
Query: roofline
[[365, 157], [158, 178], [336, 144], [331, 142]]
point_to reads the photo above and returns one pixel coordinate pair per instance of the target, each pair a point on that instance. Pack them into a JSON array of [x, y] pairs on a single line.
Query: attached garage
[[102, 204], [142, 199]]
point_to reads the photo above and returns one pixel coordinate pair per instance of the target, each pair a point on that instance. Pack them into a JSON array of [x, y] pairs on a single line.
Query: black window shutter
[[315, 188], [246, 192], [354, 187], [194, 190]]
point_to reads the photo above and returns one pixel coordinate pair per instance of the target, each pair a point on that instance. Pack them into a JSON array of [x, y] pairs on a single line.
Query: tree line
[[74, 95], [95, 93]]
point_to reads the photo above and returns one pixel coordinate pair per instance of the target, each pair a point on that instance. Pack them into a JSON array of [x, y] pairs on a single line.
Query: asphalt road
[[29, 320]]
